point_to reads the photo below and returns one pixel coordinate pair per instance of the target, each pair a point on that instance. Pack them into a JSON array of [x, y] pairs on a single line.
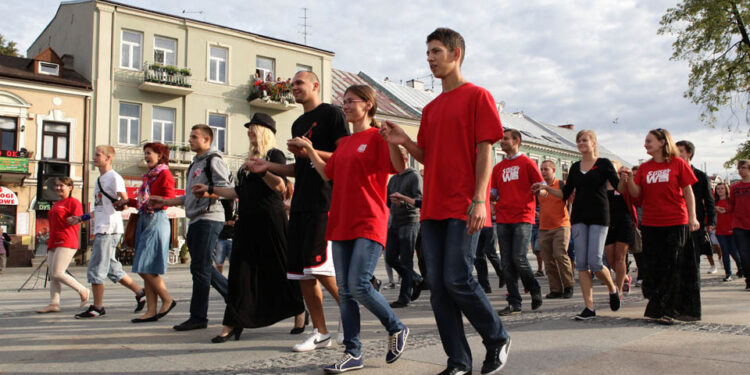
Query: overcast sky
[[588, 63]]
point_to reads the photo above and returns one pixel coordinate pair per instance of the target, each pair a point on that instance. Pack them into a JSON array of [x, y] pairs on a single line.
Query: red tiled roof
[[22, 68], [341, 80]]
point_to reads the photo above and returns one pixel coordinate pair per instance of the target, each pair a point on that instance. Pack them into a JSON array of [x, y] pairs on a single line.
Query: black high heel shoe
[[298, 330], [236, 332]]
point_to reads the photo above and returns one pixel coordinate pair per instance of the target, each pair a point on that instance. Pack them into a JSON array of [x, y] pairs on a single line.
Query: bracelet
[[471, 206], [477, 202], [85, 217]]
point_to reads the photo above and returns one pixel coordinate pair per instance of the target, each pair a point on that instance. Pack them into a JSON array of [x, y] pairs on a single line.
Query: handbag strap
[[101, 189]]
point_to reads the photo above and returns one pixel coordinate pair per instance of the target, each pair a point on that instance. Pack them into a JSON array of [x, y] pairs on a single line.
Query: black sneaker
[[399, 304], [568, 292], [487, 289], [614, 301], [509, 310], [140, 300], [586, 314], [553, 295], [191, 325], [496, 358], [739, 273], [417, 290], [501, 283], [91, 312], [536, 300], [454, 371]]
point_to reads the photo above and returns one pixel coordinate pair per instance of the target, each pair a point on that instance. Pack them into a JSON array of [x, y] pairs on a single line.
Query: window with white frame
[[163, 125], [130, 50], [130, 124], [264, 67], [8, 133], [217, 64], [218, 124], [49, 68], [165, 50], [304, 68]]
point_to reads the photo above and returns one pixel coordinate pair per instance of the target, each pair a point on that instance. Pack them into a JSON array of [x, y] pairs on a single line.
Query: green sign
[[17, 165], [44, 205]]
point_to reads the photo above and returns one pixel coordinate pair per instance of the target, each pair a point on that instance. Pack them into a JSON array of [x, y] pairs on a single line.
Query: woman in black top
[[620, 235], [259, 292], [589, 218]]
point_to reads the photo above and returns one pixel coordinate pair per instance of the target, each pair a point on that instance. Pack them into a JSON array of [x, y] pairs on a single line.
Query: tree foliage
[[8, 48], [712, 35], [743, 152]]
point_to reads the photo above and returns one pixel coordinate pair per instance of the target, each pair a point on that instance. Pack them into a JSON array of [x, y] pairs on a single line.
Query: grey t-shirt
[[204, 208]]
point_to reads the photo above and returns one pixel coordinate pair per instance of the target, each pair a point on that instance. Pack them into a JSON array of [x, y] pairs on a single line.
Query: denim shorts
[[102, 263]]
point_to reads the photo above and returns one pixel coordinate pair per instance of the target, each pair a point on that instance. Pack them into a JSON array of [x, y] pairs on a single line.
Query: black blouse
[[590, 205], [255, 197]]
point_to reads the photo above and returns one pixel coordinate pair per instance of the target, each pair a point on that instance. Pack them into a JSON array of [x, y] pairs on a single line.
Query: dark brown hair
[[205, 129], [160, 149], [515, 134], [66, 181], [450, 39], [689, 147], [716, 191], [367, 94]]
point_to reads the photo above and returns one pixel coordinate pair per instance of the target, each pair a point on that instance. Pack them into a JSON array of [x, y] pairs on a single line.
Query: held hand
[[73, 220], [398, 202], [536, 187], [625, 173], [199, 190], [393, 133], [256, 165], [475, 218], [694, 224], [155, 201], [120, 205], [296, 149], [710, 228]]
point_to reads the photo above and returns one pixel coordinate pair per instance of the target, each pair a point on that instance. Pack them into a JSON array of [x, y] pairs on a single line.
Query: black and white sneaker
[[396, 345], [586, 314], [496, 358], [454, 371], [91, 312], [509, 310]]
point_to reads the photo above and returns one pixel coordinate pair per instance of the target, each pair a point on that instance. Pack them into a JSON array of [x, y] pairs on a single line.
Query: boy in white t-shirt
[[109, 195]]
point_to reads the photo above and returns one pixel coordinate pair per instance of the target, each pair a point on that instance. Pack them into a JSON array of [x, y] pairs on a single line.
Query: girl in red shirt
[[724, 231], [739, 205], [62, 244], [358, 219], [664, 186]]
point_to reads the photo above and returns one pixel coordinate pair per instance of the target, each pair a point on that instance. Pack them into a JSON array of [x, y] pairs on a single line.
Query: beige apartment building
[[155, 75]]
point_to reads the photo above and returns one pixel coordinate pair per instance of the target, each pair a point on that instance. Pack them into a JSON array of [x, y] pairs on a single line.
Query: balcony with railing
[[166, 79], [271, 95]]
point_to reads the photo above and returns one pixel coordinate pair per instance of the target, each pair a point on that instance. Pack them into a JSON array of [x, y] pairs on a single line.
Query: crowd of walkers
[[345, 212]]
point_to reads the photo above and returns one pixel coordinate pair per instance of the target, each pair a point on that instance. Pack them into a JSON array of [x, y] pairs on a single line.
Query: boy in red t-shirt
[[454, 143], [515, 206]]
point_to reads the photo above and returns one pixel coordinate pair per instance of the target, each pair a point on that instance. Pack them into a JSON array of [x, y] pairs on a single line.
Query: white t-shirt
[[106, 218]]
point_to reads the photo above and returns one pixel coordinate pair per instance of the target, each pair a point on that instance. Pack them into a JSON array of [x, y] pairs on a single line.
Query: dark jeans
[[449, 257], [399, 254], [514, 244], [487, 249], [742, 240], [729, 248], [201, 240]]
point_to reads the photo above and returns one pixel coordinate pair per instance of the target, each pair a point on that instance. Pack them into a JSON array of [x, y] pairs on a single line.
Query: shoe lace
[[392, 340], [343, 360]]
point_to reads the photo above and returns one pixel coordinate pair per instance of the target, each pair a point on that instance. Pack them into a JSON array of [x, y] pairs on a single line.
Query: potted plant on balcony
[[185, 154]]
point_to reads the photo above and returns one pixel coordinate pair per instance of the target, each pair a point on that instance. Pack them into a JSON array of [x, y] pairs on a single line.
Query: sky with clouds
[[583, 62]]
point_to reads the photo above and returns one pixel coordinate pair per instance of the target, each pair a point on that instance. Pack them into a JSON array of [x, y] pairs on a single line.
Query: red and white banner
[[8, 197]]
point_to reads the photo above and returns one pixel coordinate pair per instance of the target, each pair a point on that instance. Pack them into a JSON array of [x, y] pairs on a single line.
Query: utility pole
[[304, 25]]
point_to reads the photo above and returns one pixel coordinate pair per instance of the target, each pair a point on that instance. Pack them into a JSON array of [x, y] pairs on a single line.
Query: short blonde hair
[[106, 150], [266, 141], [592, 136]]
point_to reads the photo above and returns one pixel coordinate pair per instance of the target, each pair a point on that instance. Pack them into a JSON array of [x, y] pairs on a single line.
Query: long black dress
[[259, 292]]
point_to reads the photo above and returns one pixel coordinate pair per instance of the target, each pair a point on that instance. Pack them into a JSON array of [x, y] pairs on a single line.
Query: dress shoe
[[299, 330], [236, 332], [417, 290], [190, 325], [171, 306], [146, 320], [567, 292], [399, 304]]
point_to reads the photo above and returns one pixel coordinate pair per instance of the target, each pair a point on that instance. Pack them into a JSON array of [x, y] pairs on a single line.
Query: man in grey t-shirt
[[206, 216]]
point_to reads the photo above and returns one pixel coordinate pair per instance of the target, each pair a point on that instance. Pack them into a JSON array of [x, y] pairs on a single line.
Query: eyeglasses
[[350, 101]]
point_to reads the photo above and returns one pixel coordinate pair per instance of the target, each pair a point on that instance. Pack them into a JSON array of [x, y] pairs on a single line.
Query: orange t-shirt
[[553, 212]]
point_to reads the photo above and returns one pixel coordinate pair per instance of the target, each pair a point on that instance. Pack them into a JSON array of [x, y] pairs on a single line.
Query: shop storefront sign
[[14, 161], [8, 197]]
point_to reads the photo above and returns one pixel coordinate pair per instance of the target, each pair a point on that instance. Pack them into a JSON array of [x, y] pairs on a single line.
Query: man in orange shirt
[[554, 236]]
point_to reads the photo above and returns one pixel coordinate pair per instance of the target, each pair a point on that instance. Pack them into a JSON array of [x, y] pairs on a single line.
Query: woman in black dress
[[259, 292]]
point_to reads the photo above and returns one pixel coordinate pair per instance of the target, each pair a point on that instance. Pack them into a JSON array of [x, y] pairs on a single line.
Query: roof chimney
[[413, 83], [67, 61], [567, 126]]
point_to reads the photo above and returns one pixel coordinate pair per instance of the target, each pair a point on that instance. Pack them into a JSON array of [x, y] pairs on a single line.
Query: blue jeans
[[742, 240], [449, 257], [729, 248], [223, 251], [399, 254], [355, 260], [201, 240], [514, 245]]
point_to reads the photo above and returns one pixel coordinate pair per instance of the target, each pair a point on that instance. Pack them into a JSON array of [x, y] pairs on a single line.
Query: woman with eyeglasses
[[739, 205], [357, 224], [664, 186], [724, 234], [62, 245]]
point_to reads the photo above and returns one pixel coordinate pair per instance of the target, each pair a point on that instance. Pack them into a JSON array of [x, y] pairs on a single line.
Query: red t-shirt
[[739, 202], [661, 189], [60, 233], [724, 221], [359, 169], [513, 179], [452, 125]]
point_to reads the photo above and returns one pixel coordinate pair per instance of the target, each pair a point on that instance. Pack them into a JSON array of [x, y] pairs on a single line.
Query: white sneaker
[[712, 270], [314, 341]]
